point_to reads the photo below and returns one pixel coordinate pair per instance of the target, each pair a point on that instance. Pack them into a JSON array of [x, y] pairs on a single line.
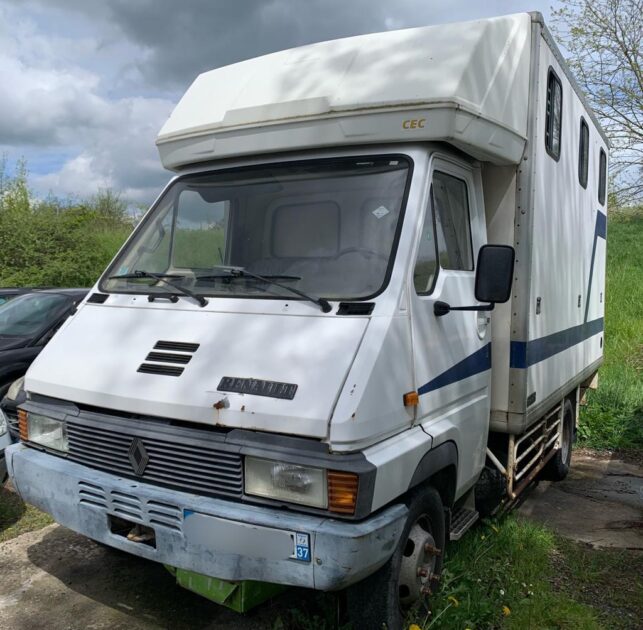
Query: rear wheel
[[558, 466], [412, 573]]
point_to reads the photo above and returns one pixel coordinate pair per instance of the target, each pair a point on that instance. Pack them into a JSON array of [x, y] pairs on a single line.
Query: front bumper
[[223, 539]]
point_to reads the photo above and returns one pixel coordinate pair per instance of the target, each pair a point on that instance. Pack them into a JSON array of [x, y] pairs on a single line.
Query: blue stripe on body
[[524, 354], [600, 231], [479, 361]]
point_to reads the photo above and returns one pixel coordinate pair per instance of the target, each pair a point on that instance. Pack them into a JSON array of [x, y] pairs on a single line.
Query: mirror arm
[[442, 308]]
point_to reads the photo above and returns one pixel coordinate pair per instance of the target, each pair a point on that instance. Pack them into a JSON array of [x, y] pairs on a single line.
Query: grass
[[499, 576], [613, 417], [512, 574], [16, 517]]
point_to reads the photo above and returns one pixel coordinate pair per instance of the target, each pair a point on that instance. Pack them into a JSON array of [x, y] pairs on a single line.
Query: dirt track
[[600, 503], [54, 578]]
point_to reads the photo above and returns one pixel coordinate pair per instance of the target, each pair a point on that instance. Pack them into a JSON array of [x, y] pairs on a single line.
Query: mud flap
[[239, 596]]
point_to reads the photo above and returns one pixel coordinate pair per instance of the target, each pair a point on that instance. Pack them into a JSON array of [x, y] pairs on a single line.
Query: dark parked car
[[14, 397], [27, 323], [7, 294]]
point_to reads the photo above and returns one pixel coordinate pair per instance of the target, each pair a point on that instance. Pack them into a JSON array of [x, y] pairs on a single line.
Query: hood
[[95, 360]]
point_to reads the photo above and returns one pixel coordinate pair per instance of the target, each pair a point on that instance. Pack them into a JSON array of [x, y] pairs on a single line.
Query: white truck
[[293, 372]]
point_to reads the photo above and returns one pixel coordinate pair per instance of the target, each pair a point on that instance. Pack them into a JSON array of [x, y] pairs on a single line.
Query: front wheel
[[412, 572]]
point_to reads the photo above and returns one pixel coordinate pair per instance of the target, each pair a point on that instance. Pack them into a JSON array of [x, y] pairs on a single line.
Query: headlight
[[47, 432], [287, 482], [15, 388]]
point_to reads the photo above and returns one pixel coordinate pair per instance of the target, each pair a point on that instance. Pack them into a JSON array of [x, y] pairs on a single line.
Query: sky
[[87, 84]]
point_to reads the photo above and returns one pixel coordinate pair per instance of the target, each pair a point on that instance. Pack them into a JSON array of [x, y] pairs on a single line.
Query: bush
[[55, 243]]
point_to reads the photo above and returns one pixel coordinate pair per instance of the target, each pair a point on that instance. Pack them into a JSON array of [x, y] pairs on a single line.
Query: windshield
[[26, 315], [324, 227]]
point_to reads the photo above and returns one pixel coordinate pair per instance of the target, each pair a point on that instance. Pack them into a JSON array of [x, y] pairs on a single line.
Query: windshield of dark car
[[25, 315], [324, 227]]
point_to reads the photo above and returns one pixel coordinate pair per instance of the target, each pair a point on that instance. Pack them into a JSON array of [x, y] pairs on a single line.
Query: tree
[[604, 42]]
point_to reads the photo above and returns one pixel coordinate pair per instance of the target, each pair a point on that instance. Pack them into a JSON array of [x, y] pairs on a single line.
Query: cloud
[[52, 102], [87, 85], [179, 40], [119, 154]]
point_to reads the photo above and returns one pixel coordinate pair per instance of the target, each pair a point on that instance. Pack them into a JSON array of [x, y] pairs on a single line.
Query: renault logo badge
[[138, 456]]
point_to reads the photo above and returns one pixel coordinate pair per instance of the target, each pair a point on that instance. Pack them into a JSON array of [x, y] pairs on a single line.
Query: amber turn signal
[[411, 399], [342, 491], [23, 429]]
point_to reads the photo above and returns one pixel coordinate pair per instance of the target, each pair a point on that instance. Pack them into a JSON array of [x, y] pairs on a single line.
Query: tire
[[558, 466], [382, 599]]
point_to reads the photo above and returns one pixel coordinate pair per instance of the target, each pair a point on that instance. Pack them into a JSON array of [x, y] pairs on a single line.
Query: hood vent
[[164, 370], [178, 346], [168, 357], [157, 362]]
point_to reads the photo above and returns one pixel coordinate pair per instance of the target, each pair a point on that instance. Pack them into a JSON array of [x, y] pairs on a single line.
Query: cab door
[[452, 352]]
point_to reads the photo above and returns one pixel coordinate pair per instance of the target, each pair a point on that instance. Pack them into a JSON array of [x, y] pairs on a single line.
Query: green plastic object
[[240, 596]]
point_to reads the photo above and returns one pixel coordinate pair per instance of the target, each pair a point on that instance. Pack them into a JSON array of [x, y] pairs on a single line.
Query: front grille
[[130, 506], [191, 465]]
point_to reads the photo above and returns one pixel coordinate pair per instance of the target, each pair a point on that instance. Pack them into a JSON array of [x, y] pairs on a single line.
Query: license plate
[[224, 536]]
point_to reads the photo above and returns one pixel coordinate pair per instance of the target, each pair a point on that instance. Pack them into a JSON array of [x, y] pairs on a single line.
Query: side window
[[583, 153], [553, 115], [426, 265], [451, 210], [602, 177]]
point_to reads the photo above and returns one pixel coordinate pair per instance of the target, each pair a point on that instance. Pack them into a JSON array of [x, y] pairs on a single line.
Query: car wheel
[[558, 466], [407, 580]]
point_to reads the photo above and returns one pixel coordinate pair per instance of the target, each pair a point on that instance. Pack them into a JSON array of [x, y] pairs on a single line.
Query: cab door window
[[445, 241], [453, 227]]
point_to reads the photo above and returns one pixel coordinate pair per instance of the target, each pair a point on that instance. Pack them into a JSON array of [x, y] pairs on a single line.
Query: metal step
[[461, 520]]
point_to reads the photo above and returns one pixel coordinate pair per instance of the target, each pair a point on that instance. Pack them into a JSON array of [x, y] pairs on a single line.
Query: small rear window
[[583, 153], [602, 177], [553, 115]]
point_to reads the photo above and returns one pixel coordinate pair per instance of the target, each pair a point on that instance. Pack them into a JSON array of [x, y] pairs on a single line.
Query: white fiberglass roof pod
[[467, 83]]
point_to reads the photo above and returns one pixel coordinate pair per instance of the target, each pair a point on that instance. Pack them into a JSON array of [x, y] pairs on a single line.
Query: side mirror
[[494, 276], [494, 273]]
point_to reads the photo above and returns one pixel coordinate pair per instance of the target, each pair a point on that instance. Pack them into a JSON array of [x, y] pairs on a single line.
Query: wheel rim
[[419, 559], [566, 437]]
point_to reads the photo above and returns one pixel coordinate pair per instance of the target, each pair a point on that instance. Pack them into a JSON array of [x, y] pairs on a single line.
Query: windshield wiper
[[161, 277], [240, 272]]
